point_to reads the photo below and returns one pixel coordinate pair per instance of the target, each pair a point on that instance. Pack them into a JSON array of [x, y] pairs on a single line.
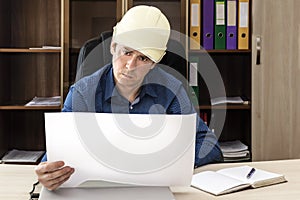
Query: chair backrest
[[97, 50]]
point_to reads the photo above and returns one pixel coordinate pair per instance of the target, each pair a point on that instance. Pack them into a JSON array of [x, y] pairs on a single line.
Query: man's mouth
[[127, 75]]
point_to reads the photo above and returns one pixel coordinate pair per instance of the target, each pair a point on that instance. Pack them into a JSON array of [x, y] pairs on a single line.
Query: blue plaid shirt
[[161, 93]]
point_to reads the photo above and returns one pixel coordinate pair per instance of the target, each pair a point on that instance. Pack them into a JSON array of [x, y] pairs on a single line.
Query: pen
[[250, 173]]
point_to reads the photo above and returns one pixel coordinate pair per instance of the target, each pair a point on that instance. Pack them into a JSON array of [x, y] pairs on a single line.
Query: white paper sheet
[[122, 149]]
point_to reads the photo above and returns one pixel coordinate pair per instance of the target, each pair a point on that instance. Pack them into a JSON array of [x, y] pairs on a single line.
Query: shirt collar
[[110, 85], [147, 86]]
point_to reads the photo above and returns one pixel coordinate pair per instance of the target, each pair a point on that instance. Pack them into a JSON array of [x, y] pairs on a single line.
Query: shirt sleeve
[[44, 158], [68, 101], [207, 149]]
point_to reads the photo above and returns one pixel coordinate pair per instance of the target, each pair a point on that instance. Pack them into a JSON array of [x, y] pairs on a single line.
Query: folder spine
[[243, 24], [220, 24], [195, 24], [208, 24], [231, 29]]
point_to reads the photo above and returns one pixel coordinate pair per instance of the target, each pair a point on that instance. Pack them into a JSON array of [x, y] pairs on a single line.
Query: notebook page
[[241, 174], [216, 183]]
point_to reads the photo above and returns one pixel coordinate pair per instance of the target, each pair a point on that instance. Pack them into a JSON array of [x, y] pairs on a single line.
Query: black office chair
[[98, 52], [95, 53]]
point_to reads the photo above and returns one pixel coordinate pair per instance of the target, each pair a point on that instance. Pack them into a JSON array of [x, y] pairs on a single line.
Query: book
[[44, 101], [21, 156], [232, 179]]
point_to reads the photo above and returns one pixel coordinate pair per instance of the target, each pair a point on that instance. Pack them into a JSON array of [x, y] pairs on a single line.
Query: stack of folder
[[225, 24], [234, 151]]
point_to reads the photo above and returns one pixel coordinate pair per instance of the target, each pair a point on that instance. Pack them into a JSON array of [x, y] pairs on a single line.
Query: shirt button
[[131, 107]]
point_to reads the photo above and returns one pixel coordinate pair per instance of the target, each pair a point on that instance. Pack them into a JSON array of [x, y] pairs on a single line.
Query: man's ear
[[113, 47]]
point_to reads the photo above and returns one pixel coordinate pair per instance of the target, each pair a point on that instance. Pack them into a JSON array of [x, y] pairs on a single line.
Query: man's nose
[[131, 62]]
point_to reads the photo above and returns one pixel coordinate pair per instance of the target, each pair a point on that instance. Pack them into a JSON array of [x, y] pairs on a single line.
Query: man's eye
[[144, 59], [127, 53]]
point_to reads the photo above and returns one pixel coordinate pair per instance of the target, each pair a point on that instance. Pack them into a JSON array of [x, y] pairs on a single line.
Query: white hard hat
[[145, 29]]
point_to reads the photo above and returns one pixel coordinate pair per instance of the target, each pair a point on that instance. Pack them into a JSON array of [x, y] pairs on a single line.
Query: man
[[133, 84]]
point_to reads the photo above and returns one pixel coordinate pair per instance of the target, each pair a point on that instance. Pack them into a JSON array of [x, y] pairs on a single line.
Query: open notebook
[[233, 179]]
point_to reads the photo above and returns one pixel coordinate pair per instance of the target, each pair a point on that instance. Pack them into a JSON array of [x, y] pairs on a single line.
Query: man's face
[[129, 66]]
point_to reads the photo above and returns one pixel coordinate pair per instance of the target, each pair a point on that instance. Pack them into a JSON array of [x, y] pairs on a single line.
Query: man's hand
[[52, 174]]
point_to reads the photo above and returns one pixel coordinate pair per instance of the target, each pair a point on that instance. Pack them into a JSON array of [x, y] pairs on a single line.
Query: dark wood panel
[[73, 67], [236, 73], [237, 125], [235, 70], [34, 75], [171, 8], [27, 130], [4, 132], [35, 23], [5, 23], [4, 79], [90, 18]]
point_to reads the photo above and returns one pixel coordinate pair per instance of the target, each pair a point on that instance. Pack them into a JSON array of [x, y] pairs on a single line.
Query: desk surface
[[16, 182]]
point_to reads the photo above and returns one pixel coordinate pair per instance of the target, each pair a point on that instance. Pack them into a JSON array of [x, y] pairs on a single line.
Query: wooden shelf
[[228, 107], [22, 107], [219, 51], [27, 50]]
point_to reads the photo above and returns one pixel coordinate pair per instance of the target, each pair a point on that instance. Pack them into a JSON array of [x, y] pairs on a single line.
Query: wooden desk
[[16, 182]]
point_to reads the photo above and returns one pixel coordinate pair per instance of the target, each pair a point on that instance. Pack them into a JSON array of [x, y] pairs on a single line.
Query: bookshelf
[[26, 73], [234, 67]]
